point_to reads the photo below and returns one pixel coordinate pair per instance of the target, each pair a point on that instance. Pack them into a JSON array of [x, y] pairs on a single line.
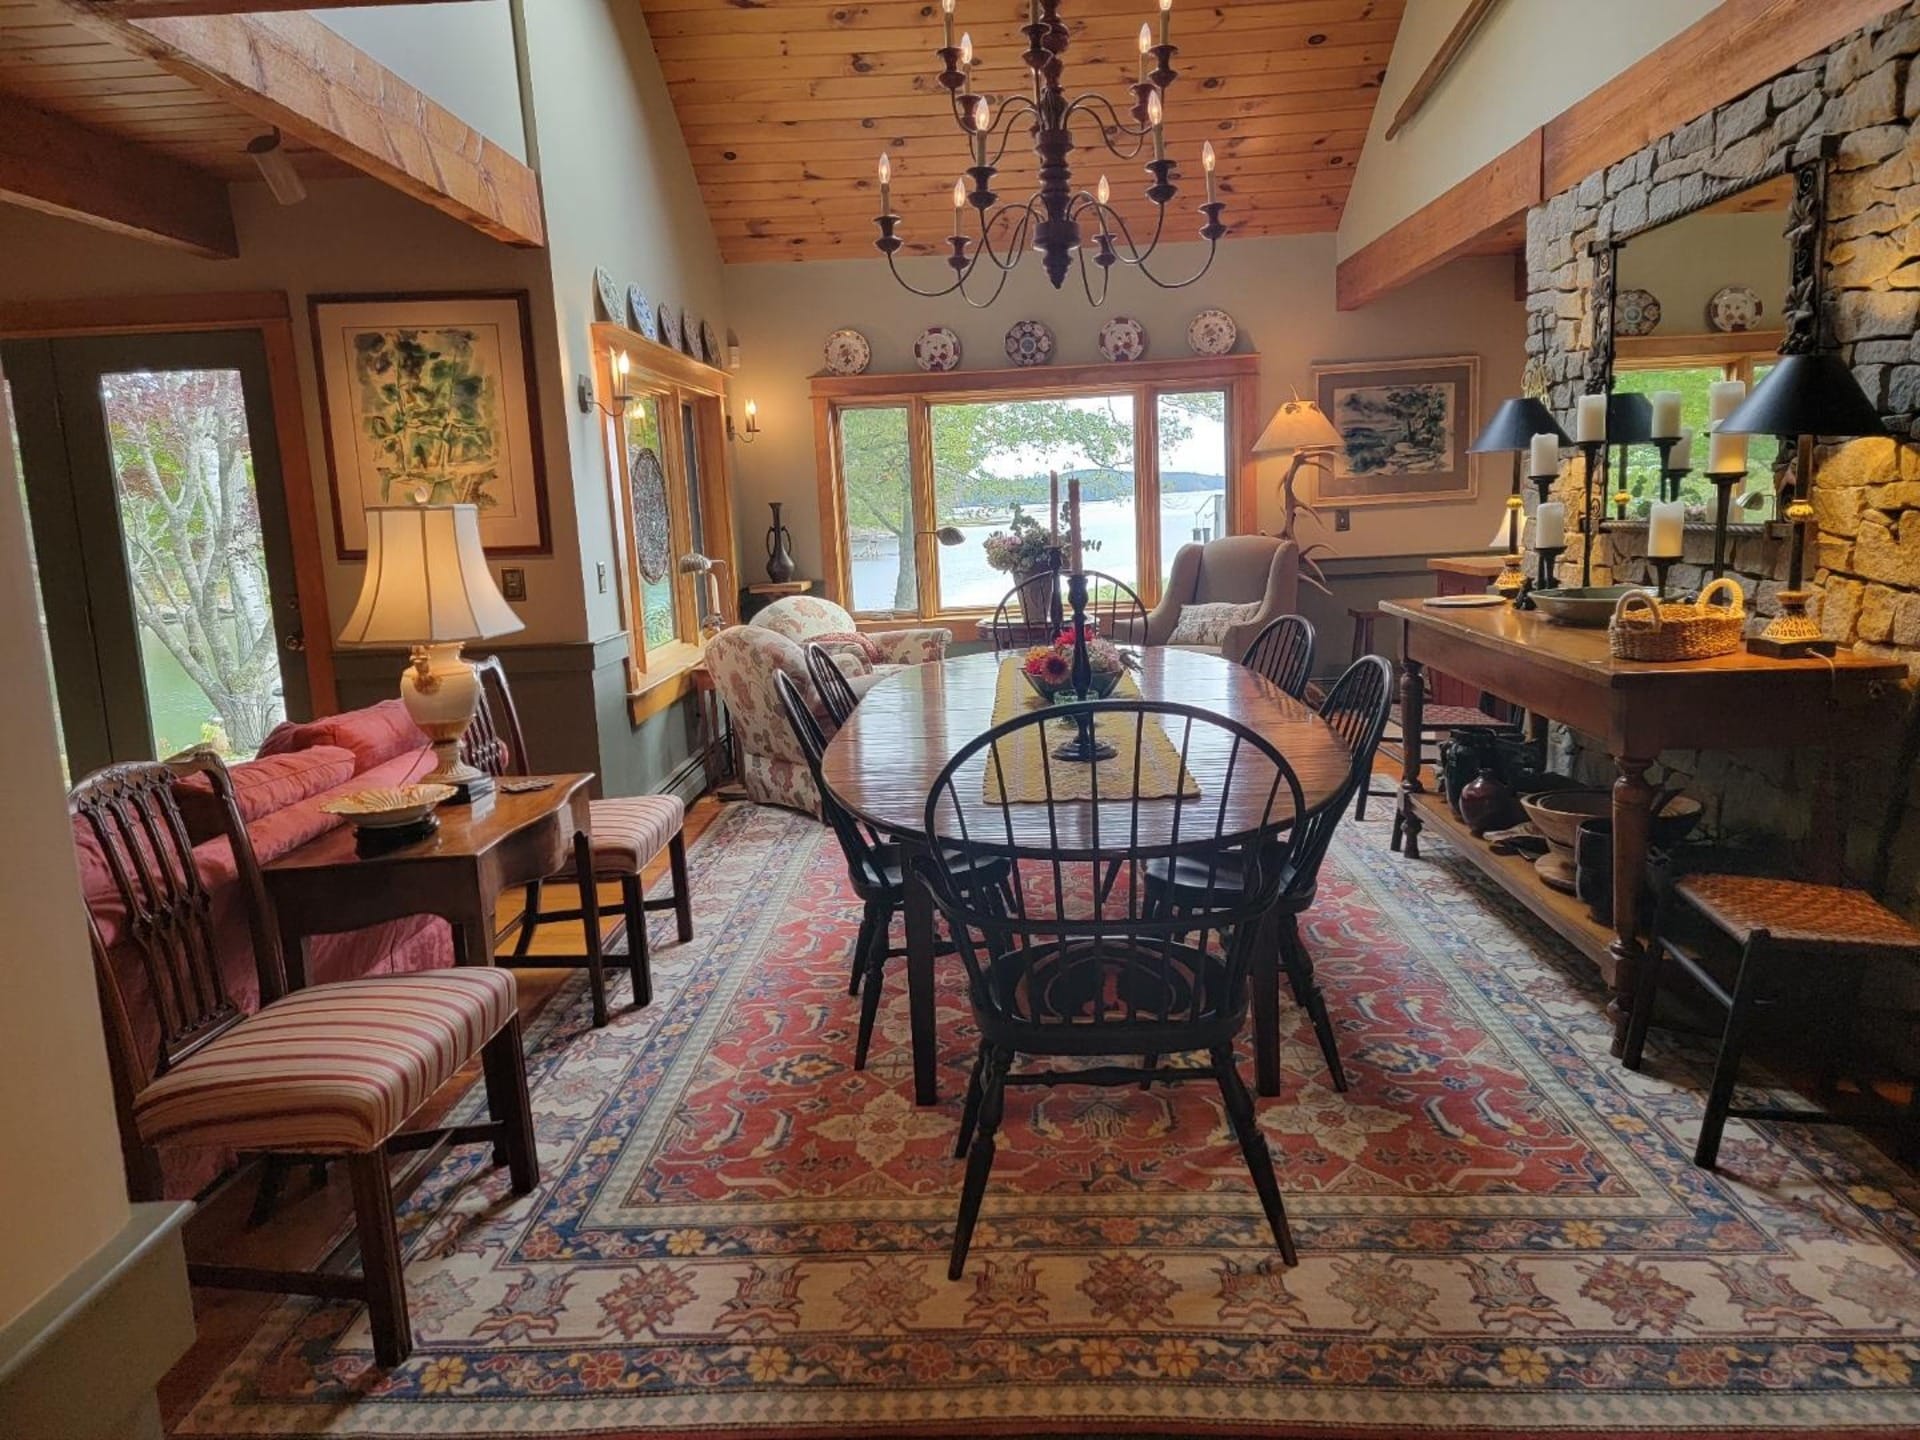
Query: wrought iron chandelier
[[1051, 219]]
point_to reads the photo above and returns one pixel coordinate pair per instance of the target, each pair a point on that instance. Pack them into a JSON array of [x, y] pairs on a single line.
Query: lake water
[[967, 582]]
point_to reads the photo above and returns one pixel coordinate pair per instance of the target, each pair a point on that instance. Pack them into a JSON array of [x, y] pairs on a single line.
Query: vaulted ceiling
[[787, 104]]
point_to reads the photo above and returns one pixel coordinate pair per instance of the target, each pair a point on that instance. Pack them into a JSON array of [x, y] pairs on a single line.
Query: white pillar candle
[[1546, 455], [1590, 423], [1666, 530], [1550, 526], [1682, 456], [1724, 397], [1666, 414], [1726, 453]]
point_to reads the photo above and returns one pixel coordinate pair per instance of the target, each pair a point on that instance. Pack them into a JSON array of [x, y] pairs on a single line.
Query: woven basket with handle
[[1645, 627]]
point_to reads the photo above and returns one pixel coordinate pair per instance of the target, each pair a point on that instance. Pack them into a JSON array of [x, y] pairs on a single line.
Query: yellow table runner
[[1161, 773]]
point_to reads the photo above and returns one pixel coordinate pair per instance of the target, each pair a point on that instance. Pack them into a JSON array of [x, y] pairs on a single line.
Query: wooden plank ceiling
[[787, 104]]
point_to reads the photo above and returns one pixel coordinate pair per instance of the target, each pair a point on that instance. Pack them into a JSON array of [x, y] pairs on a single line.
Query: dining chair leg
[[993, 1096], [633, 900], [508, 1101], [1264, 977], [873, 971], [529, 920], [1360, 801], [1306, 990], [1246, 1129], [590, 925], [1646, 995], [682, 892], [380, 1259], [1733, 1041], [858, 965], [970, 1112]]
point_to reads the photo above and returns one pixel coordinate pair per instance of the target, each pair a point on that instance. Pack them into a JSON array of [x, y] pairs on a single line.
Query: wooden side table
[[716, 730], [459, 873]]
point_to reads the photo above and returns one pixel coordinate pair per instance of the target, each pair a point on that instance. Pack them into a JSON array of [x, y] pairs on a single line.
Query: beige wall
[[620, 192], [62, 1191], [1528, 61], [1685, 263], [1280, 292]]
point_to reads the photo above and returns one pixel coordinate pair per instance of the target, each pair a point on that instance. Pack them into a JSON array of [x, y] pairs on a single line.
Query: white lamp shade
[[427, 580], [1499, 541], [1297, 425]]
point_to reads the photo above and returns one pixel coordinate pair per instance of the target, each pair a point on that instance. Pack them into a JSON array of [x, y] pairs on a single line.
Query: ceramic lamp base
[[1512, 579], [442, 695], [1793, 632]]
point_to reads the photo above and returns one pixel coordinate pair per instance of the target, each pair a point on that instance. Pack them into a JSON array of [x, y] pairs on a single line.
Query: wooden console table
[[1634, 710]]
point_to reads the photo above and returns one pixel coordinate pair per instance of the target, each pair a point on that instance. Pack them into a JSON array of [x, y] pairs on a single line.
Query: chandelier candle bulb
[[1156, 117], [1550, 526], [1590, 422], [1666, 414], [1207, 162], [1666, 530], [966, 51], [1166, 18], [1544, 457], [1146, 44], [886, 181], [1103, 192]]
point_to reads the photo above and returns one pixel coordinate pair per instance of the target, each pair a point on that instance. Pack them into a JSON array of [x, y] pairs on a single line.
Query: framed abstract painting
[[432, 396], [1406, 425]]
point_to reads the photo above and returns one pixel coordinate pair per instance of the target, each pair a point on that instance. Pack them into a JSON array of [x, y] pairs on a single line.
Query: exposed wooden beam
[[1487, 204], [50, 164], [182, 9], [292, 71], [1451, 49]]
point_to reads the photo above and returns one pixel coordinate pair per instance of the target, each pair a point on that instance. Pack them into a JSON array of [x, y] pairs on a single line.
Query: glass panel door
[[1192, 429], [153, 479]]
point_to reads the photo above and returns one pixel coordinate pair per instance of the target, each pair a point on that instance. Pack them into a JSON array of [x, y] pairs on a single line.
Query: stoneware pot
[[1593, 867], [1487, 804]]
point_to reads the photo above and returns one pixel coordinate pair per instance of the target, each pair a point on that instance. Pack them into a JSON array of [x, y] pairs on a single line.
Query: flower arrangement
[[1026, 545], [1049, 668]]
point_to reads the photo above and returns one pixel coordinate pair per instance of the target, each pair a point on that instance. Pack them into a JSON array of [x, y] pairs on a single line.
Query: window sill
[[667, 679]]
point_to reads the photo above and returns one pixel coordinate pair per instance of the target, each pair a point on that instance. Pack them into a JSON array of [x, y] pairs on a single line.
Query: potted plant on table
[[1025, 550]]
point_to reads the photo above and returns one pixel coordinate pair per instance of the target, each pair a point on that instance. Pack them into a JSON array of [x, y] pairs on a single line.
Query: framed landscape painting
[[1406, 426], [432, 396]]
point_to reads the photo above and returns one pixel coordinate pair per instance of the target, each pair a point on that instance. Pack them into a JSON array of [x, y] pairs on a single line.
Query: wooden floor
[[309, 1218]]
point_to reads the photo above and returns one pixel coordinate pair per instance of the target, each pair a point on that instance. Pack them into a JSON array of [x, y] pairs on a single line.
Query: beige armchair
[[1236, 570]]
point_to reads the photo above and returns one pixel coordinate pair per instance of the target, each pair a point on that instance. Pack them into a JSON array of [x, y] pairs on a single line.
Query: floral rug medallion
[[1500, 1229]]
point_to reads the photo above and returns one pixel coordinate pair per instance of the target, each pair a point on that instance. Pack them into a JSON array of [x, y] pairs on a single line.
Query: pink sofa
[[300, 767]]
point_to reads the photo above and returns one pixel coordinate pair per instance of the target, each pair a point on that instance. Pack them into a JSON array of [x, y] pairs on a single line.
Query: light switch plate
[[1343, 519], [600, 574], [513, 583]]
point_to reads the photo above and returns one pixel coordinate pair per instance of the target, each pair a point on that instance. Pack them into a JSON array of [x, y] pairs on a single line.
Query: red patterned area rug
[[1501, 1233]]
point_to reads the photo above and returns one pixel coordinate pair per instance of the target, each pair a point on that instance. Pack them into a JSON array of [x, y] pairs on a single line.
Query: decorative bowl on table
[[1587, 607], [1557, 815], [389, 807], [1049, 668]]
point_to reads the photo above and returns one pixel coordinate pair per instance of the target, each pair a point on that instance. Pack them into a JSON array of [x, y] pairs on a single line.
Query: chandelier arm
[[1004, 124], [1015, 242], [1086, 283], [1113, 126], [906, 284], [1213, 244], [1135, 255]]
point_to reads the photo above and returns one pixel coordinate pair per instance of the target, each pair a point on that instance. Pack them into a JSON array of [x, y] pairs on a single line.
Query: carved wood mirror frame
[[1806, 253]]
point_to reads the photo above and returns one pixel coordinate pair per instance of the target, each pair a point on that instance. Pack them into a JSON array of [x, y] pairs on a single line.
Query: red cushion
[[261, 787], [374, 734]]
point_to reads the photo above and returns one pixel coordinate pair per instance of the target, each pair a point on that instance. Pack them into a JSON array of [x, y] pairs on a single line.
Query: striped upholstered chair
[[327, 1072], [624, 834]]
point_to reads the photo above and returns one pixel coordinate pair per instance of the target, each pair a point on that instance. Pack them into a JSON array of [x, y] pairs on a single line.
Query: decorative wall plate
[[669, 321], [1734, 308], [1029, 343], [612, 304], [937, 349], [709, 343], [1635, 312], [1123, 338], [652, 539], [1212, 332], [848, 353], [640, 312], [690, 334]]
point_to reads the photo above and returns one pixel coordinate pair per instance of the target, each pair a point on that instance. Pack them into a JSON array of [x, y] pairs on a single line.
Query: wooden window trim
[[1146, 380], [661, 675]]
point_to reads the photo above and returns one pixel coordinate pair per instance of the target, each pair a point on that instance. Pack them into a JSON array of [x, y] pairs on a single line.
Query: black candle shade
[[1806, 395], [1513, 427]]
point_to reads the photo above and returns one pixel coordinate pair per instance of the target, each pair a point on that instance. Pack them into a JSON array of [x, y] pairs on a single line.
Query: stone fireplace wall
[[1864, 93]]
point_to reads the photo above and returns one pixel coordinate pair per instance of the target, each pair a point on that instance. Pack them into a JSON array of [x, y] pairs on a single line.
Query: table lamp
[[1511, 431], [1803, 396], [1301, 429], [428, 587]]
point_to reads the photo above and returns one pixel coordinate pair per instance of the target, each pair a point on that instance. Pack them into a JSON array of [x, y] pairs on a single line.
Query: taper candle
[[1053, 503], [1073, 521], [1590, 421]]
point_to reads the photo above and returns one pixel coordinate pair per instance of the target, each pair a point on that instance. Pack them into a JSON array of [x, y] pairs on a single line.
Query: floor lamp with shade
[[1301, 431], [427, 586]]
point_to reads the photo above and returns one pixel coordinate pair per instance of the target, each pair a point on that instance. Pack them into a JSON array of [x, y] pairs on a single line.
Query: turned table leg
[[1632, 822], [1413, 705]]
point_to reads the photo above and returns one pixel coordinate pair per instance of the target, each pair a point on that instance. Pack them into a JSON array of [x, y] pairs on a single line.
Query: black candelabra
[[1723, 483], [1085, 745], [1591, 451]]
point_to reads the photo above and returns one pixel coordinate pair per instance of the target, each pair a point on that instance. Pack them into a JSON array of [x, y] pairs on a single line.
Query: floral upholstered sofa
[[743, 658]]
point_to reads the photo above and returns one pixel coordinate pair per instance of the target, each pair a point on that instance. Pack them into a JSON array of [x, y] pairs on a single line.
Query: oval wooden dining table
[[886, 757]]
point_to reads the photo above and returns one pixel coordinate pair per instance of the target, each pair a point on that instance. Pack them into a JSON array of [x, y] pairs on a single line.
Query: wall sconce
[[749, 432], [618, 366]]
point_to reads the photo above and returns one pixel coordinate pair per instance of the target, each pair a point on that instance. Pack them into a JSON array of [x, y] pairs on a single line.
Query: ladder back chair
[[1062, 966], [625, 834], [1035, 610], [1283, 653], [873, 869], [327, 1072], [831, 681]]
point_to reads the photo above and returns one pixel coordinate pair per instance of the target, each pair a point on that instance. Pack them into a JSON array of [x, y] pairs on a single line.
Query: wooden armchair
[[331, 1071]]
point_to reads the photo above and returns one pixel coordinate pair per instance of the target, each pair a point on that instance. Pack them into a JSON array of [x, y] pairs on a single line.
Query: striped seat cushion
[[630, 831], [329, 1069]]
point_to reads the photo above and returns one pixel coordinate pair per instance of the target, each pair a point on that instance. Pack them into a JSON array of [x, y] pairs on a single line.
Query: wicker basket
[[1645, 627]]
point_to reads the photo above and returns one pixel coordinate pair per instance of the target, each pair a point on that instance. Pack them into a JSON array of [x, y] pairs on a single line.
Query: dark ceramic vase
[[779, 549], [1487, 804], [1462, 758], [1593, 867]]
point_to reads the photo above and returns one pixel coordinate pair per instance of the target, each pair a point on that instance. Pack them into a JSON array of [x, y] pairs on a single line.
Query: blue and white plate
[[1029, 343], [640, 312]]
